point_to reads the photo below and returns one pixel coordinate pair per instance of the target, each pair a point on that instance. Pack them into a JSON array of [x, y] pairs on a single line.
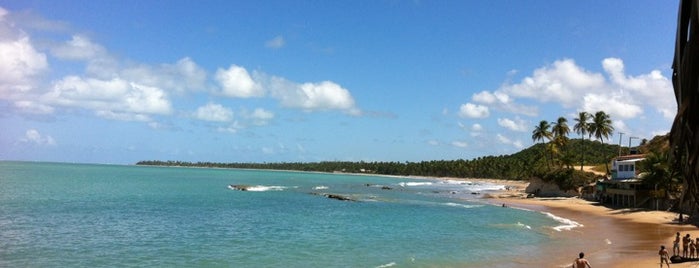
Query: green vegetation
[[552, 159], [519, 166]]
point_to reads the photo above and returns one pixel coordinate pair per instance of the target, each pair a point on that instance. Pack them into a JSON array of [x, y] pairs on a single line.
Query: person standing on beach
[[685, 245], [676, 245], [581, 262], [664, 257]]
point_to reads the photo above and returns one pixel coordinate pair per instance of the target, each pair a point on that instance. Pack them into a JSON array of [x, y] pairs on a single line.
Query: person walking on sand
[[676, 245], [581, 262], [664, 257], [685, 245]]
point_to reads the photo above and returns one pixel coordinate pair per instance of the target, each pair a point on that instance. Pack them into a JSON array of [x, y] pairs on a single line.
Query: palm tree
[[540, 133], [560, 132], [581, 127], [601, 127]]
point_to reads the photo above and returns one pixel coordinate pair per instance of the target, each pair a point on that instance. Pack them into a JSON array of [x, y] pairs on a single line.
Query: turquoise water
[[78, 215]]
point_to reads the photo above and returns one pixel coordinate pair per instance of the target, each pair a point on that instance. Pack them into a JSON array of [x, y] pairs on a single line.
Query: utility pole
[[631, 138], [620, 134]]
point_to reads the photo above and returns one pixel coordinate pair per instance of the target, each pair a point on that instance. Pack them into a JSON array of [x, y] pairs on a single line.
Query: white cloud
[[459, 144], [504, 102], [507, 141], [619, 127], [276, 42], [515, 125], [615, 105], [476, 127], [232, 128], [433, 142], [79, 48], [652, 88], [185, 75], [470, 110], [261, 116], [237, 82], [214, 112], [33, 107], [121, 116], [570, 85], [33, 136], [491, 98], [117, 96], [559, 82], [325, 95], [20, 63]]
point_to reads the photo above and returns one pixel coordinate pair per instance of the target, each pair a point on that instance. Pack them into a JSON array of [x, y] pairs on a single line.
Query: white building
[[624, 167]]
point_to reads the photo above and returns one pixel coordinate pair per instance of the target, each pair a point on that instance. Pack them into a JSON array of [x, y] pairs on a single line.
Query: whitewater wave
[[567, 224], [461, 205], [457, 182], [386, 265], [320, 187], [524, 225], [256, 188], [409, 184]]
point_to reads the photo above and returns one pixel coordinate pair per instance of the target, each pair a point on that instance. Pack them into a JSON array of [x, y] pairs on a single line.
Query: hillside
[[521, 165]]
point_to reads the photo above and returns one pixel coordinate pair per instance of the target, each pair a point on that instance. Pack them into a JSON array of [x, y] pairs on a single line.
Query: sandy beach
[[609, 237]]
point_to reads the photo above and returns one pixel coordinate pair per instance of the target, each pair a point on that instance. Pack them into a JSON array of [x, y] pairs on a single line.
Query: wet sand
[[609, 237]]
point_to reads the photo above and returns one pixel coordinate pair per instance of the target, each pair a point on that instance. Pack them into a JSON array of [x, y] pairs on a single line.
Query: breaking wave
[[567, 224]]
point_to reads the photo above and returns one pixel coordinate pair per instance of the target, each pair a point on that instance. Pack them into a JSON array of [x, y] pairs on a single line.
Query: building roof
[[630, 156], [630, 160]]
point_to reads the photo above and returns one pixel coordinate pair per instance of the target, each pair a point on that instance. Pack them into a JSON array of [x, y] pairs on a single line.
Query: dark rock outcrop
[[239, 187]]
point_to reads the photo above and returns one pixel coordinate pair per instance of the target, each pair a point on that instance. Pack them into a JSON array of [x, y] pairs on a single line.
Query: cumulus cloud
[[261, 116], [34, 137], [470, 110], [459, 144], [559, 82], [652, 88], [476, 127], [232, 128], [214, 112], [615, 104], [33, 107], [115, 95], [515, 125], [325, 95], [79, 48], [565, 83], [236, 82], [507, 141], [502, 101], [123, 116], [20, 63], [276, 42], [491, 98], [182, 76]]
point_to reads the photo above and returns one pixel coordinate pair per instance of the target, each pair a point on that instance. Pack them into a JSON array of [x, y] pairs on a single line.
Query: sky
[[305, 81]]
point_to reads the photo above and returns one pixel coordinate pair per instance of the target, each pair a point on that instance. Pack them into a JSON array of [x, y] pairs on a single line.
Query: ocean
[[89, 215]]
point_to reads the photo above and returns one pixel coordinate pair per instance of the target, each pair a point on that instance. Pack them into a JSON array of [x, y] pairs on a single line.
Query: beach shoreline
[[610, 237]]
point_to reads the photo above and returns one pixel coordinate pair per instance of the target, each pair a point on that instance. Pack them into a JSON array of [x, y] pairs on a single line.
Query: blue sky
[[288, 81]]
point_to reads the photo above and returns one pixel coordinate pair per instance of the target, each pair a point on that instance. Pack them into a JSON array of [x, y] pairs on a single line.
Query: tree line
[[522, 165]]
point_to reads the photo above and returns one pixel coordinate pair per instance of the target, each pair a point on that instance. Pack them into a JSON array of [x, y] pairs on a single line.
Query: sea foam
[[407, 184], [567, 224], [256, 188], [386, 265]]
